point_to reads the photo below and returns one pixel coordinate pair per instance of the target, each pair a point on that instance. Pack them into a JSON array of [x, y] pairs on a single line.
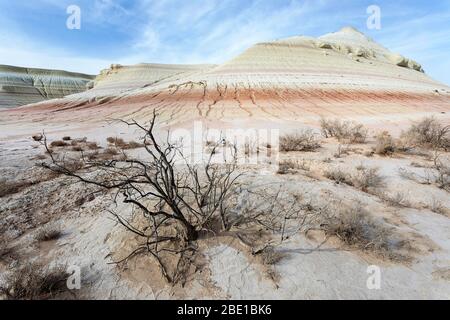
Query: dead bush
[[120, 143], [58, 144], [428, 133], [368, 178], [355, 226], [437, 207], [339, 176], [385, 144], [92, 145], [397, 200], [48, 233], [66, 138], [35, 282], [344, 131], [172, 203], [270, 256], [12, 187], [305, 140], [364, 178], [287, 166]]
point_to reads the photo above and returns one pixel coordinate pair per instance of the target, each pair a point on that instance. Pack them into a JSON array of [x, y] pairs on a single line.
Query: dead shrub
[[428, 133], [437, 207], [397, 200], [12, 187], [92, 145], [385, 144], [355, 227], [339, 176], [58, 144], [48, 233], [35, 282], [120, 143], [66, 138], [77, 148], [364, 179], [304, 140], [287, 166], [344, 131], [270, 256], [368, 178]]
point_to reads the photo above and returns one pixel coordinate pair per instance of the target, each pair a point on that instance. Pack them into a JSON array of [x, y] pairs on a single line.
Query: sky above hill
[[35, 34]]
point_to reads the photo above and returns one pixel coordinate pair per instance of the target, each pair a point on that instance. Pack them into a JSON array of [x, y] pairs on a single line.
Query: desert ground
[[359, 178]]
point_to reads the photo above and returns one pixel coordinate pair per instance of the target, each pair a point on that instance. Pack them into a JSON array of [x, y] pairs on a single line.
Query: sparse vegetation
[[305, 140], [339, 176], [365, 179], [120, 143], [48, 233], [34, 281], [270, 256], [12, 187], [58, 144], [428, 133], [368, 178], [385, 144], [397, 200], [356, 227], [287, 166], [177, 202], [344, 131]]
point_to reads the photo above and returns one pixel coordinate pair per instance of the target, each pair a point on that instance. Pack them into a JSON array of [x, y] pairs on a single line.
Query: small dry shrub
[[304, 140], [385, 144], [58, 143], [77, 148], [344, 131], [364, 178], [397, 200], [437, 207], [270, 256], [12, 187], [356, 227], [339, 176], [120, 143], [428, 133], [368, 178], [48, 233], [66, 138], [92, 145], [287, 166], [35, 282]]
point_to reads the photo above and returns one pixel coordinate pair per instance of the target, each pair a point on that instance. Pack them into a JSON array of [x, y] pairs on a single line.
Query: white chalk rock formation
[[21, 86]]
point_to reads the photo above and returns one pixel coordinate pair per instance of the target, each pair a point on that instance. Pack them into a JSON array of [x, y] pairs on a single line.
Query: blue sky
[[34, 33]]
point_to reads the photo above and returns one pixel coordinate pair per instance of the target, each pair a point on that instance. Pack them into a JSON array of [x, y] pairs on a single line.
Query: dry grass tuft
[[48, 233], [121, 144], [270, 256], [12, 187], [35, 282], [287, 166], [58, 143]]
